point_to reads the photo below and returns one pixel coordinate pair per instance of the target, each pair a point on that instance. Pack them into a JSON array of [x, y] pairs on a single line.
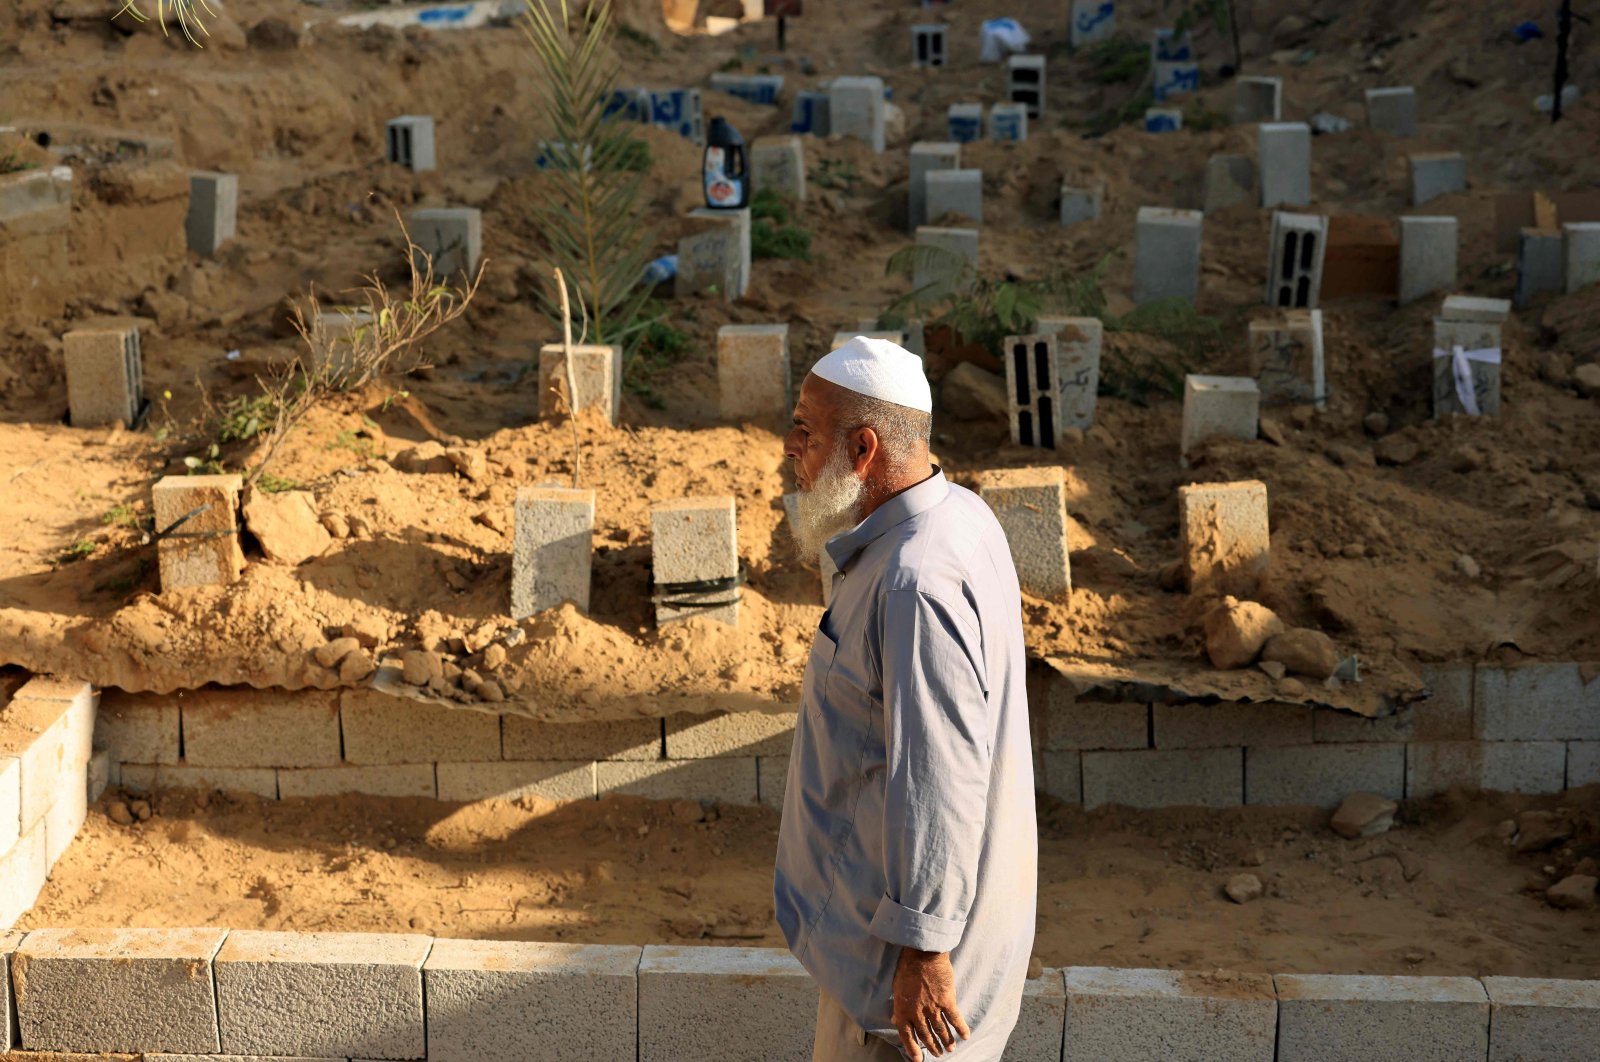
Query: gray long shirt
[[908, 815]]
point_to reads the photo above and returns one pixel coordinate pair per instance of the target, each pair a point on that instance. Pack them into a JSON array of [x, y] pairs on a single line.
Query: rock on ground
[[286, 524], [1538, 831], [1242, 888], [1303, 652], [1236, 632], [1363, 815], [1573, 893]]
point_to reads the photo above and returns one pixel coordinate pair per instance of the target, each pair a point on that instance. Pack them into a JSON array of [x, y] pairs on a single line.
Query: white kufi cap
[[878, 369]]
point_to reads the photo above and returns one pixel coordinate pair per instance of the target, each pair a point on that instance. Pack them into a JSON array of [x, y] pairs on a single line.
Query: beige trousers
[[839, 1039]]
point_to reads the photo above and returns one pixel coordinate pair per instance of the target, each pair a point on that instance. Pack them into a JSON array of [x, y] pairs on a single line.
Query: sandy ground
[[1439, 894]]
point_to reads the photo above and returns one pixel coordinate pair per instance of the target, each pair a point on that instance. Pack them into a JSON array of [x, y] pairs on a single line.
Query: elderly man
[[907, 859]]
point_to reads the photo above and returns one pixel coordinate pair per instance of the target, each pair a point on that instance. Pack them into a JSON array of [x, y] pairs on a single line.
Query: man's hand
[[925, 1003]]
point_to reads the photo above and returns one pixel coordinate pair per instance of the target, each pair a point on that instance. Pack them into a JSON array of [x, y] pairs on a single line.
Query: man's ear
[[864, 449]]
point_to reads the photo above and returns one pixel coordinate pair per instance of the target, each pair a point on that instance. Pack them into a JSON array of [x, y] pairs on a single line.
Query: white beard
[[832, 505]]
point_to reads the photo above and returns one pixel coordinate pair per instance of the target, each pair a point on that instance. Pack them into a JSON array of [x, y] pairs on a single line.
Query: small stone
[[1363, 815], [1274, 670], [286, 525], [1303, 651], [1272, 431], [687, 812], [1353, 551], [118, 813], [494, 657], [141, 810], [491, 519], [1468, 567], [1466, 459], [1587, 379], [369, 629], [1302, 416], [1237, 630], [480, 637], [356, 666], [1376, 423], [1538, 831], [1573, 893], [330, 653], [1396, 450], [470, 463], [336, 525], [419, 667], [1242, 888], [360, 526], [470, 680], [1506, 831], [1035, 967], [1554, 367], [489, 690]]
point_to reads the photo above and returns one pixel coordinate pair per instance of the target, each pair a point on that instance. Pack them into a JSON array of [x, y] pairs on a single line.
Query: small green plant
[[781, 241], [835, 173], [1134, 374], [660, 347], [274, 484], [1202, 119], [1128, 111], [11, 162], [769, 205], [123, 515], [77, 551], [356, 443], [1118, 60], [208, 465], [391, 398], [243, 417]]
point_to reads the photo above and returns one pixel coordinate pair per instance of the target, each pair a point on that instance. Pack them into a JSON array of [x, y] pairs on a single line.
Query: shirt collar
[[910, 502]]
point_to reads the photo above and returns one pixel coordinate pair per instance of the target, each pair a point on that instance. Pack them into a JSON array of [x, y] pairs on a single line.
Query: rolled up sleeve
[[937, 729]]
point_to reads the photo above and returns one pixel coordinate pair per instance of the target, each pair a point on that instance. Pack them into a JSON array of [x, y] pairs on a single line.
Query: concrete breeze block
[[762, 89], [1541, 264], [1092, 21], [1037, 1035], [1323, 775], [1286, 356], [1392, 111], [1226, 406], [964, 122], [1166, 254], [1485, 375], [1203, 726], [1031, 506], [409, 142], [690, 997], [1497, 766], [451, 238], [1284, 150], [1583, 763], [213, 211], [389, 780], [205, 550], [753, 373], [68, 813], [1163, 120], [696, 737], [1079, 204], [154, 778], [1115, 1015], [1328, 725], [856, 108], [9, 939], [552, 549], [117, 989], [695, 540], [23, 870], [1581, 252], [555, 780], [379, 729], [1447, 715], [328, 994], [1078, 344], [1436, 174], [1257, 99], [1069, 723], [772, 775], [1294, 269], [105, 376], [10, 802], [1008, 122], [1542, 1019], [1059, 772], [928, 44], [946, 278], [260, 728], [1033, 390], [710, 256], [778, 164], [597, 372], [927, 157], [1158, 778], [1428, 251], [602, 739], [1025, 82], [810, 115], [508, 1001], [1225, 536], [137, 728], [720, 781], [1230, 181], [957, 192], [1536, 702], [1329, 1018]]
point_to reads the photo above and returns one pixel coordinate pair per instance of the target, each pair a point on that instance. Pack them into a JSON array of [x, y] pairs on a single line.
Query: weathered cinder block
[[1059, 773], [1284, 151], [9, 939], [1392, 111], [1536, 702], [1225, 537], [928, 44], [1025, 82], [105, 376], [927, 157], [1079, 204], [753, 375], [954, 192], [41, 734], [1428, 250], [1226, 406], [726, 780], [553, 549], [1541, 264], [1008, 122], [1033, 389], [213, 211], [598, 372], [226, 1058], [1257, 99], [1077, 366], [1092, 21], [380, 729], [772, 776], [1447, 715], [1064, 722], [138, 727], [1166, 254], [514, 780], [22, 874], [451, 238], [1039, 1028], [689, 999], [1542, 1019], [1328, 1018], [10, 801], [389, 780], [1436, 174], [946, 276], [695, 737], [510, 1001], [1294, 266], [1580, 244], [964, 122], [1203, 726], [1158, 778], [1286, 356], [810, 114], [1583, 763], [1116, 1015], [602, 739], [856, 108], [695, 559], [1497, 766], [68, 812], [1031, 506], [260, 728], [117, 989], [350, 994], [1329, 725], [1476, 392], [102, 774], [1230, 181], [409, 142], [1163, 119], [1323, 775], [204, 550], [709, 256], [762, 89], [153, 778]]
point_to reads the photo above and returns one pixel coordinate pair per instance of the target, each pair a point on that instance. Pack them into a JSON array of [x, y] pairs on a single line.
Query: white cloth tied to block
[[998, 37], [1461, 371]]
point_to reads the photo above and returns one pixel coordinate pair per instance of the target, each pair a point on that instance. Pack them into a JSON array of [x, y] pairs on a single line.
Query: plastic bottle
[[726, 168]]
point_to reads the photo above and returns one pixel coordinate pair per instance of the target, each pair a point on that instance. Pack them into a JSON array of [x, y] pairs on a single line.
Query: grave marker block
[[1257, 99], [1032, 390], [1227, 406], [681, 110], [213, 211], [1078, 343], [1171, 79], [409, 141], [1079, 204], [1166, 254], [204, 549], [1230, 181], [1538, 1018], [811, 114], [1541, 264], [1343, 1018], [753, 374], [927, 157], [105, 376], [1428, 248], [1025, 82], [1294, 272], [1392, 111], [452, 236], [1008, 122], [1466, 357], [965, 122], [958, 241], [1165, 1014], [1286, 356], [778, 164], [955, 191], [336, 352], [1169, 46], [856, 108], [1163, 120], [1225, 535], [741, 221], [709, 257], [597, 372], [1092, 21], [928, 44], [695, 559], [1581, 249], [552, 550], [761, 89], [1436, 174], [1285, 153], [1031, 505]]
